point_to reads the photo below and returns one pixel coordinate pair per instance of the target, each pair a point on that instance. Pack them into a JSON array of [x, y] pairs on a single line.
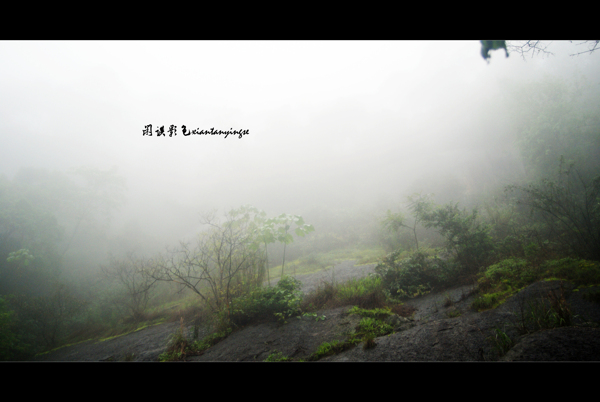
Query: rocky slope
[[443, 328]]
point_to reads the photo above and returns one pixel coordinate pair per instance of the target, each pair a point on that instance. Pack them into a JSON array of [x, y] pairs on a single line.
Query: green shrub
[[501, 341], [373, 326], [413, 276], [277, 357], [180, 346], [281, 301], [378, 313], [11, 346], [581, 272], [365, 292], [177, 347], [358, 287], [369, 342], [210, 340], [328, 349], [485, 301], [545, 313], [467, 238], [508, 268]]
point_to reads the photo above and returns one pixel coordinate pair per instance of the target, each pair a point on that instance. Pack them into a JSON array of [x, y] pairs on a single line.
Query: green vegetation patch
[[487, 301], [369, 328], [373, 313], [500, 341], [499, 281], [278, 302], [276, 356], [364, 292], [373, 326], [580, 272], [330, 348], [413, 276]]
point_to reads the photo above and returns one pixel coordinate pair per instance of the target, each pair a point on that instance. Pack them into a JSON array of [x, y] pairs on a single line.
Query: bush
[[467, 238], [568, 205], [413, 276], [581, 272], [11, 346], [508, 268], [49, 320], [365, 292], [276, 356], [281, 301], [485, 301]]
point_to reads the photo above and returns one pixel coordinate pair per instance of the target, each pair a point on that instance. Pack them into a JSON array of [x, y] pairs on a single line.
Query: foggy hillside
[[337, 132]]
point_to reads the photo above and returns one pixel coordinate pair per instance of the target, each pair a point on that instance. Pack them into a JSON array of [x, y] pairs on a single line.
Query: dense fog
[[331, 124]]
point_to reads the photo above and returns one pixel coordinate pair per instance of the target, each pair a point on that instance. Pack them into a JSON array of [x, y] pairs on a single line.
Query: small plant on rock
[[501, 341], [177, 346], [369, 342], [448, 301], [276, 356]]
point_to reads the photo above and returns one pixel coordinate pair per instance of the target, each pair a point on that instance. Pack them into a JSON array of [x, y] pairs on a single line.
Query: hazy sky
[[330, 122]]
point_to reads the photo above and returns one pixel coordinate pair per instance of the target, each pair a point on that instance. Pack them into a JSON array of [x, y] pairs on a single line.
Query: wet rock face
[[558, 344], [399, 323], [442, 327]]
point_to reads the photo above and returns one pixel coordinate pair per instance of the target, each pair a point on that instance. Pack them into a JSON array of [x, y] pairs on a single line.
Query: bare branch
[[592, 45], [529, 46]]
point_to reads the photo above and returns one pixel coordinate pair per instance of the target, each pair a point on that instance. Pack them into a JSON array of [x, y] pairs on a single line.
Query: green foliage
[[50, 318], [580, 272], [467, 238], [413, 276], [328, 349], [30, 237], [378, 313], [501, 341], [357, 288], [179, 346], [508, 268], [508, 275], [20, 257], [369, 341], [419, 205], [373, 326], [569, 206], [281, 301], [314, 315], [11, 346], [276, 356], [369, 327], [277, 229], [210, 340], [486, 301], [547, 312], [365, 292]]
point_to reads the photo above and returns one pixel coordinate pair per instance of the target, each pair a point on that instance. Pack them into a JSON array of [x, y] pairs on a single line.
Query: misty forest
[[145, 183]]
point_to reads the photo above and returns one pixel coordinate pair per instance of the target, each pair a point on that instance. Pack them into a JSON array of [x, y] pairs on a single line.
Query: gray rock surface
[[443, 328]]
